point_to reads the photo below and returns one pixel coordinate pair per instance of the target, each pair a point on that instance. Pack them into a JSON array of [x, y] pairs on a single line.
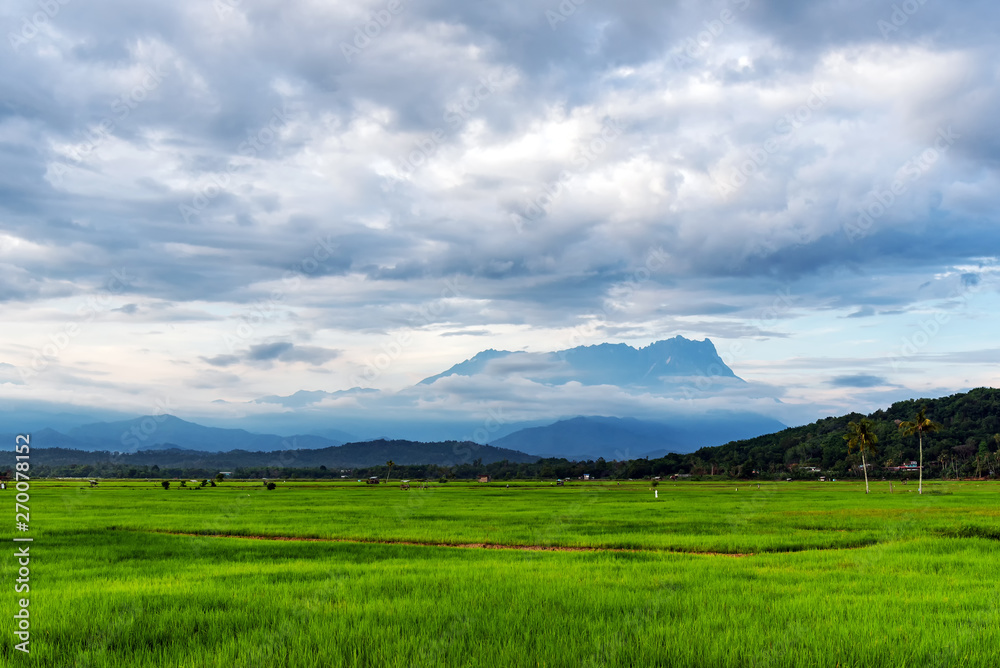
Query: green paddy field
[[467, 574]]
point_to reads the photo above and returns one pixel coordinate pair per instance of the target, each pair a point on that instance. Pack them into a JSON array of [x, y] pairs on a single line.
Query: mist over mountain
[[349, 455], [654, 397], [156, 431], [628, 438], [660, 363], [304, 398]]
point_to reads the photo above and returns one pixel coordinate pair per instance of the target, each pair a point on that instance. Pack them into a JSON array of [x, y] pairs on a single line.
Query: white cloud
[[305, 235]]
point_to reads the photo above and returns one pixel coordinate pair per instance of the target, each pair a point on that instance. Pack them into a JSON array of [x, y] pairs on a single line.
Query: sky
[[204, 202]]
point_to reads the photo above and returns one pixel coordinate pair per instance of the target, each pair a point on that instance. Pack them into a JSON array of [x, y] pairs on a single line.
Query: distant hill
[[350, 455], [628, 438], [155, 431], [970, 428], [967, 445], [605, 364]]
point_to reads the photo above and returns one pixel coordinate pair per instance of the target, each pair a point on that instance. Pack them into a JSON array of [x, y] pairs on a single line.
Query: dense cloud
[[378, 175]]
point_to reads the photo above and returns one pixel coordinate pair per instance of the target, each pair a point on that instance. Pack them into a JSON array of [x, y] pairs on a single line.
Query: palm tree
[[860, 435], [943, 461], [390, 464], [919, 426]]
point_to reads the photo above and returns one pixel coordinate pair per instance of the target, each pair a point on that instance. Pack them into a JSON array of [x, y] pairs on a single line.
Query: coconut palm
[[861, 435], [943, 461], [919, 426], [390, 464]]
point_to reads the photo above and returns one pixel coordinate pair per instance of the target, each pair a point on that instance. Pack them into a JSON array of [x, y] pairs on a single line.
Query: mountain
[[620, 439], [47, 438], [350, 455], [667, 361], [471, 367], [482, 399], [153, 431], [21, 416]]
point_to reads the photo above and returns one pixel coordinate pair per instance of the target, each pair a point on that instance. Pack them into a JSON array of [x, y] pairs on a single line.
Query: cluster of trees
[[114, 470], [965, 444], [205, 482]]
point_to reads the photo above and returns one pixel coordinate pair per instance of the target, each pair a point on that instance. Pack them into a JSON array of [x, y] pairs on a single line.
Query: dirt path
[[482, 546]]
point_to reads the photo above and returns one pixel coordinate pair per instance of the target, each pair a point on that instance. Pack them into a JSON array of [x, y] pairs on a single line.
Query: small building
[[586, 476], [559, 482], [484, 478], [372, 481], [906, 466], [226, 473]]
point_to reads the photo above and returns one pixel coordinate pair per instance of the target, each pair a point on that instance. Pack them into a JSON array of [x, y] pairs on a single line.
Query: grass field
[[129, 574]]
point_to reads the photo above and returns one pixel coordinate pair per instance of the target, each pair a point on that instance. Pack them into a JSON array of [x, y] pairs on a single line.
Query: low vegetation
[[832, 576]]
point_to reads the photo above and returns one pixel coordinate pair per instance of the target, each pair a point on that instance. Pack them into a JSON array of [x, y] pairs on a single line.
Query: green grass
[[836, 577]]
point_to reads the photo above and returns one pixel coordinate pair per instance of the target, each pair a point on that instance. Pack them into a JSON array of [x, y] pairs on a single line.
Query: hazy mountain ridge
[[630, 438], [349, 455], [561, 384], [968, 443], [603, 364], [155, 431]]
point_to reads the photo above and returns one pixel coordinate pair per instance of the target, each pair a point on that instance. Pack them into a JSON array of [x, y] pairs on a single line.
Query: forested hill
[[62, 461], [970, 427]]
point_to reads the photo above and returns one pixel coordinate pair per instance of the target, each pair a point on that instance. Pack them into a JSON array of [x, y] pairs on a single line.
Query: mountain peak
[[664, 361], [473, 366]]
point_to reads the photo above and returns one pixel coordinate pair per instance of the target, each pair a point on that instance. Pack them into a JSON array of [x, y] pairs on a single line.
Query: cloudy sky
[[216, 200]]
